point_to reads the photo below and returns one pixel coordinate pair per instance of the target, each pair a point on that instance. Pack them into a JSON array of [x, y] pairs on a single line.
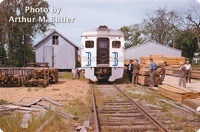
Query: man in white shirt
[[188, 71]]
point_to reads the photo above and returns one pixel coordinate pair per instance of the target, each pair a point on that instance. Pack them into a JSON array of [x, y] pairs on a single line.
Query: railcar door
[[102, 51]]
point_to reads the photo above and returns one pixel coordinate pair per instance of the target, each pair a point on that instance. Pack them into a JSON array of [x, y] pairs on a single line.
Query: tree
[[193, 17], [132, 35], [18, 36], [161, 27], [187, 42]]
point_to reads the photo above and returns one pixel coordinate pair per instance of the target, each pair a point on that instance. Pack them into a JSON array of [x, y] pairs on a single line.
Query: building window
[[55, 40], [116, 44], [89, 44]]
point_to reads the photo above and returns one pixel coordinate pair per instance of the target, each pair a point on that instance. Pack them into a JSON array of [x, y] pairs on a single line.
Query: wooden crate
[[176, 93]]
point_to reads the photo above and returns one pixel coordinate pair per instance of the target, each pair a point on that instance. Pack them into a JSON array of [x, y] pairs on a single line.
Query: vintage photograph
[[100, 66]]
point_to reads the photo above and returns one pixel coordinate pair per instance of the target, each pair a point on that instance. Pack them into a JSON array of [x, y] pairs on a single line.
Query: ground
[[73, 94], [65, 89], [194, 85]]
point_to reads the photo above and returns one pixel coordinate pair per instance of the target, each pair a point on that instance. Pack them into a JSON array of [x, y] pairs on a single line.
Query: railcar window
[[116, 44], [55, 40], [103, 44], [89, 44]]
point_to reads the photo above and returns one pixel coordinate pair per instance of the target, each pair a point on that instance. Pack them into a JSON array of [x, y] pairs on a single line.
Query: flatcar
[[102, 54]]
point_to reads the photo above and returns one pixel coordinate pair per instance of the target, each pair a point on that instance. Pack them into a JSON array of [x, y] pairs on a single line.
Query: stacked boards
[[193, 103], [177, 93], [173, 70], [160, 59], [174, 60], [144, 76]]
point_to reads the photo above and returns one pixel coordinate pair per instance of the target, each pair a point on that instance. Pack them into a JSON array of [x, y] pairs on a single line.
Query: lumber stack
[[158, 59], [174, 60], [195, 73], [144, 77], [172, 70], [15, 77], [176, 93], [193, 103]]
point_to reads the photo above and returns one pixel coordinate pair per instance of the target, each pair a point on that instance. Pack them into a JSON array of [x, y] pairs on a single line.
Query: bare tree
[[161, 26], [193, 23]]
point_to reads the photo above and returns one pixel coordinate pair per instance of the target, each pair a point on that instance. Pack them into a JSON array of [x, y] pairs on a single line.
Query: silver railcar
[[102, 54]]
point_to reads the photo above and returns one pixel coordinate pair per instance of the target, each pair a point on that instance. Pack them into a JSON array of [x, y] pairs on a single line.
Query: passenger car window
[[89, 44], [116, 44]]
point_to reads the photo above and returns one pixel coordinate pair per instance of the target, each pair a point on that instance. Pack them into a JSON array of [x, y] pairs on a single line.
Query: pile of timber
[[173, 70], [193, 103], [144, 76], [195, 73], [176, 93], [39, 106], [174, 60], [160, 59], [16, 77]]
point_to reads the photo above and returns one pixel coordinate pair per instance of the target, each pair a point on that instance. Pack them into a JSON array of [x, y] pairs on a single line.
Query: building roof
[[54, 31], [139, 45]]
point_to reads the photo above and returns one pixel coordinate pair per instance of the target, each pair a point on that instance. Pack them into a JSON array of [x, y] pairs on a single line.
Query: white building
[[149, 48], [57, 50]]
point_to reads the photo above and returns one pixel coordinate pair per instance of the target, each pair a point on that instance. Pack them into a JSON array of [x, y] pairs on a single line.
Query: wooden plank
[[181, 88], [53, 102], [171, 95], [176, 94], [25, 120], [172, 104], [45, 123], [32, 102], [193, 103], [62, 113]]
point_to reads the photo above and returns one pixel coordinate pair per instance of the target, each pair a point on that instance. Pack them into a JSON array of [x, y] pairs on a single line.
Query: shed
[[149, 48], [57, 50]]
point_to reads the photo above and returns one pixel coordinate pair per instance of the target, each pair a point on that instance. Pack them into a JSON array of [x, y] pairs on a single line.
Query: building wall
[[64, 53], [150, 48]]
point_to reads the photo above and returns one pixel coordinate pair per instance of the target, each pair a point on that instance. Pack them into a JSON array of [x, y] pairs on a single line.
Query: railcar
[[102, 54]]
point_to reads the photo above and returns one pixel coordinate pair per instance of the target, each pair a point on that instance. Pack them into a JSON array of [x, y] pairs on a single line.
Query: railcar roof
[[106, 33]]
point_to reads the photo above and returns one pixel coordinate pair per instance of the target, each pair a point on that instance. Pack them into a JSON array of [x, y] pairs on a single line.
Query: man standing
[[188, 71], [152, 70], [130, 70], [182, 74], [135, 71]]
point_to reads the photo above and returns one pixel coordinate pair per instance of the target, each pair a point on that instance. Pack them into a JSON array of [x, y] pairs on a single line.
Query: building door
[[48, 55]]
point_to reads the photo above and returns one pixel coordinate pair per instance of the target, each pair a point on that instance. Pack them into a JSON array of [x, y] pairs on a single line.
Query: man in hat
[[182, 74], [188, 71]]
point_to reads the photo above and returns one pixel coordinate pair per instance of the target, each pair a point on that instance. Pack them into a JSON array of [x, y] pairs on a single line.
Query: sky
[[90, 14]]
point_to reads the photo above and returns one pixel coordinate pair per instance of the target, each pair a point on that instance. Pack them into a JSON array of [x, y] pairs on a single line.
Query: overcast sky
[[90, 14]]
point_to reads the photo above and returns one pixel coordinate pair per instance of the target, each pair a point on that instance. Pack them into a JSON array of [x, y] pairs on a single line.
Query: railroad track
[[115, 111]]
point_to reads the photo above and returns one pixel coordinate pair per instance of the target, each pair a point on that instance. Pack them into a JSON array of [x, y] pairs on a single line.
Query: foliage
[[132, 35], [18, 36], [187, 42], [161, 26], [193, 20]]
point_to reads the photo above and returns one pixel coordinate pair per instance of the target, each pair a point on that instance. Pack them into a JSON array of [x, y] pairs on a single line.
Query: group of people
[[184, 74], [133, 71]]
